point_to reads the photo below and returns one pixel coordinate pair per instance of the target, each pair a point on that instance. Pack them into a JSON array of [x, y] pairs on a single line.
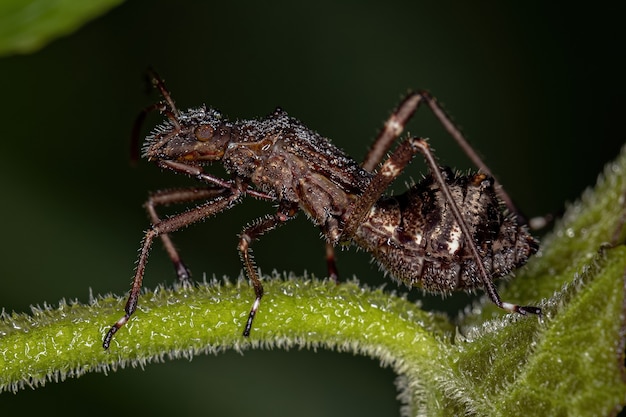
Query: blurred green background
[[538, 89]]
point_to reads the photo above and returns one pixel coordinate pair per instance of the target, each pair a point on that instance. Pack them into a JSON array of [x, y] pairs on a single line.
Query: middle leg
[[250, 234], [400, 117]]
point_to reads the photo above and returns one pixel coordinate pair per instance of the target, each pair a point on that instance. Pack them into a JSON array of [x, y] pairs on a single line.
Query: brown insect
[[448, 232]]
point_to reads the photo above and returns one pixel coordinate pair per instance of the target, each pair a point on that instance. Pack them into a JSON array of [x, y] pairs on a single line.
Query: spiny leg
[[390, 170], [167, 197], [168, 225], [200, 175], [392, 128], [395, 125], [217, 187], [387, 173], [249, 235]]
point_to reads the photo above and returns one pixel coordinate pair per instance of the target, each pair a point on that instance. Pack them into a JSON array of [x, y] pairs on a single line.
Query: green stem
[[440, 371], [66, 341]]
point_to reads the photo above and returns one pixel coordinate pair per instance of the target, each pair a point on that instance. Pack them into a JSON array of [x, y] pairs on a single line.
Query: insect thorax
[[415, 237], [293, 163]]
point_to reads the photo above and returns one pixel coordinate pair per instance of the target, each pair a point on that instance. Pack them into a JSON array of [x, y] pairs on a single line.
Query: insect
[[448, 232]]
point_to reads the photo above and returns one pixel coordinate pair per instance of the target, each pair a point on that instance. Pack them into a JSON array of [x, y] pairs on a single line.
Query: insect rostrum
[[448, 232]]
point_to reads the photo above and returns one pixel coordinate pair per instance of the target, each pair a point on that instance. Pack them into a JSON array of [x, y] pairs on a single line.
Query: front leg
[[217, 187], [167, 197], [166, 226]]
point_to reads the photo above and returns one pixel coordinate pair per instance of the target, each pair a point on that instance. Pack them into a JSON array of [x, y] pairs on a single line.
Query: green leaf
[[26, 26], [568, 363]]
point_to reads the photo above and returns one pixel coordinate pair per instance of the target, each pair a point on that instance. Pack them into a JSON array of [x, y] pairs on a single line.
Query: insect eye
[[204, 133]]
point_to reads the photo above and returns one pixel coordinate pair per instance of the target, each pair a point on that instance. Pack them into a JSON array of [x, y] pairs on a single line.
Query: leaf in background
[[26, 26]]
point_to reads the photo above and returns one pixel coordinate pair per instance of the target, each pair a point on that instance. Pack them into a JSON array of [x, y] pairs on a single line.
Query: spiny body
[[414, 236]]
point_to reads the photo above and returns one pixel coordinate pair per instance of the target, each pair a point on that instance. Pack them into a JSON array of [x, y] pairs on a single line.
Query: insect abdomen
[[415, 237]]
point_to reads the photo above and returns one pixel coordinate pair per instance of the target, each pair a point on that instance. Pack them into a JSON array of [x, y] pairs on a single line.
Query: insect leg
[[389, 133], [388, 172], [391, 130], [421, 146], [167, 197], [395, 124], [249, 235], [331, 264], [168, 225], [200, 175]]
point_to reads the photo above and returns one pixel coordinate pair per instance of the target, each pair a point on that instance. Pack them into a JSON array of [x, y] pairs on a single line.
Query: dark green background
[[538, 89]]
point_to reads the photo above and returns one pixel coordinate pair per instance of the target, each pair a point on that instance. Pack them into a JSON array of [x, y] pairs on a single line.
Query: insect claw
[[524, 310], [255, 308], [109, 336], [183, 273]]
